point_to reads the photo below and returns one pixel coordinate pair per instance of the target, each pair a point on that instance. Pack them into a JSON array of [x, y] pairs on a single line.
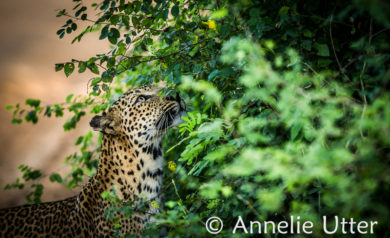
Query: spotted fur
[[131, 164]]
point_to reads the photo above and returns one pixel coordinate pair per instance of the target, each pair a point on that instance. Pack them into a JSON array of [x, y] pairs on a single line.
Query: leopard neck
[[130, 168]]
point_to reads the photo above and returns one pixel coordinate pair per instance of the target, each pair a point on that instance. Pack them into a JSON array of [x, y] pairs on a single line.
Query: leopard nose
[[181, 102], [178, 99], [170, 98]]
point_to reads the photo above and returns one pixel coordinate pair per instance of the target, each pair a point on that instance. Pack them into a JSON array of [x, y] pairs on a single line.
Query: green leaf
[[165, 14], [175, 11], [113, 36], [254, 12], [59, 112], [219, 14], [60, 31], [212, 74], [95, 81], [125, 20], [74, 26], [128, 39], [194, 51], [115, 32], [295, 129], [322, 49], [31, 117], [306, 44], [106, 77], [69, 98], [93, 67], [283, 10], [68, 69], [114, 19], [121, 51], [61, 13], [79, 140], [308, 33], [324, 62], [48, 111], [105, 88], [225, 30], [78, 12], [16, 121], [82, 66], [135, 21], [54, 177], [104, 32], [33, 102], [59, 67]]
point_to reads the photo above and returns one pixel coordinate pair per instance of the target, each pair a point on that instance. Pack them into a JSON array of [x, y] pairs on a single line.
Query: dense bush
[[288, 105]]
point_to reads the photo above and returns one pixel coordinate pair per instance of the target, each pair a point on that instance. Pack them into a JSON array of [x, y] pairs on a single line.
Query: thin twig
[[78, 19], [354, 59], [96, 22], [364, 96], [334, 50], [362, 82], [80, 61], [351, 61], [180, 200], [379, 32], [324, 19], [239, 197], [311, 68]]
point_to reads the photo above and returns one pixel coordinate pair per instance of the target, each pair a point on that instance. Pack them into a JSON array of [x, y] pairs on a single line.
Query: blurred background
[[29, 49]]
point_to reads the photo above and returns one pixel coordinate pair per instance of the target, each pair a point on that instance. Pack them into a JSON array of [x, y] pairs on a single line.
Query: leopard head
[[141, 114]]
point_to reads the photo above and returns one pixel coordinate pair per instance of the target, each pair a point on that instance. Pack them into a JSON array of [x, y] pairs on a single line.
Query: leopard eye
[[142, 99]]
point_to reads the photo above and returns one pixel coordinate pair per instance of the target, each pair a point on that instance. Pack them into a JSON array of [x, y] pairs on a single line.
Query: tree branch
[[152, 58], [333, 48]]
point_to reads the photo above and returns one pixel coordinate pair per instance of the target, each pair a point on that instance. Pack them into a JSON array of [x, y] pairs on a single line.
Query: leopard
[[130, 166]]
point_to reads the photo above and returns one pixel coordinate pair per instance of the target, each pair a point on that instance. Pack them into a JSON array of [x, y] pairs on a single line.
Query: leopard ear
[[107, 123]]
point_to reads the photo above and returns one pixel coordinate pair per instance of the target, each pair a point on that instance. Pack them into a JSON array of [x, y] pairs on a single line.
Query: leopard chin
[[178, 119], [173, 116]]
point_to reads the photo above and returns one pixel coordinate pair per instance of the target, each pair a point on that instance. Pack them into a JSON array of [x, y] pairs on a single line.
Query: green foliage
[[54, 177], [29, 175], [288, 105]]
